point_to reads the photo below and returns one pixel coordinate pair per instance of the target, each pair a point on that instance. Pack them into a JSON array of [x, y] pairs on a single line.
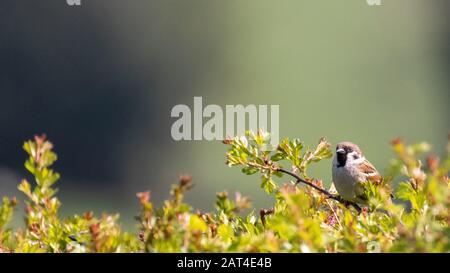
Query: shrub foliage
[[305, 216]]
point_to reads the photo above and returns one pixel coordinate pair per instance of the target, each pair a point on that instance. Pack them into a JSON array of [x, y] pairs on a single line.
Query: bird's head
[[347, 151]]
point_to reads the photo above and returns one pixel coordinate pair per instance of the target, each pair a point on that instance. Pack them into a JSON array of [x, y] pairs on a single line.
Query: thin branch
[[321, 190], [264, 212], [334, 213]]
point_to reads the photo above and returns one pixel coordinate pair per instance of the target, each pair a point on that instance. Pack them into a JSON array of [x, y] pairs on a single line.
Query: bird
[[351, 171]]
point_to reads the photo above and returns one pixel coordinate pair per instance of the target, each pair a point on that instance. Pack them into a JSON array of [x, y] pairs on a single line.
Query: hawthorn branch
[[321, 190]]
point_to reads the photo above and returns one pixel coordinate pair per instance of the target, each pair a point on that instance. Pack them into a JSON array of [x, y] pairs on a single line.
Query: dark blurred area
[[61, 77], [62, 73]]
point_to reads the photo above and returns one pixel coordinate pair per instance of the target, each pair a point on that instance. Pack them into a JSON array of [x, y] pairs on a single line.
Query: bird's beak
[[340, 151]]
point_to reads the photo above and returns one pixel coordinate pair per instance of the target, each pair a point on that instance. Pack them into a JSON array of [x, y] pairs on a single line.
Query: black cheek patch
[[341, 159], [355, 157]]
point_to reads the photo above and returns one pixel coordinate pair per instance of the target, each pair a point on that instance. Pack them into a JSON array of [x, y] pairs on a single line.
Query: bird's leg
[[358, 208]]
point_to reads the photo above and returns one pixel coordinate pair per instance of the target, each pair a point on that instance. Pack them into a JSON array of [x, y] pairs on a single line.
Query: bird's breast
[[344, 182]]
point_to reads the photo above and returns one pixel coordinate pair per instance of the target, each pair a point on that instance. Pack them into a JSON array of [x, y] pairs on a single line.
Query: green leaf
[[277, 157], [268, 184], [250, 170], [419, 148], [29, 165], [405, 191], [25, 187], [197, 224], [225, 232]]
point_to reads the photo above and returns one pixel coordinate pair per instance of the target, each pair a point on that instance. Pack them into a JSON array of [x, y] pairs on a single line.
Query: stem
[[264, 212], [334, 213], [323, 191]]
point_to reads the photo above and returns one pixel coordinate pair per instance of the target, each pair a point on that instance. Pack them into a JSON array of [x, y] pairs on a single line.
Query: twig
[[334, 213], [264, 212], [321, 190]]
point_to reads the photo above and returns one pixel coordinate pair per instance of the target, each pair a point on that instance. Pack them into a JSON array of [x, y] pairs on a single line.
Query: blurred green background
[[101, 80]]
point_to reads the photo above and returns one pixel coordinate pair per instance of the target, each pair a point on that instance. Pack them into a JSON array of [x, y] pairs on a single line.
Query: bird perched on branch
[[351, 171]]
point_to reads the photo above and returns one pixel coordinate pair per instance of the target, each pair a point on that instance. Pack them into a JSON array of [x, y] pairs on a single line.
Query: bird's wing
[[370, 172], [360, 193]]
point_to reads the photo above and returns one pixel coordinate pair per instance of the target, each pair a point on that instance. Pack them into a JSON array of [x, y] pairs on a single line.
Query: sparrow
[[350, 172]]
